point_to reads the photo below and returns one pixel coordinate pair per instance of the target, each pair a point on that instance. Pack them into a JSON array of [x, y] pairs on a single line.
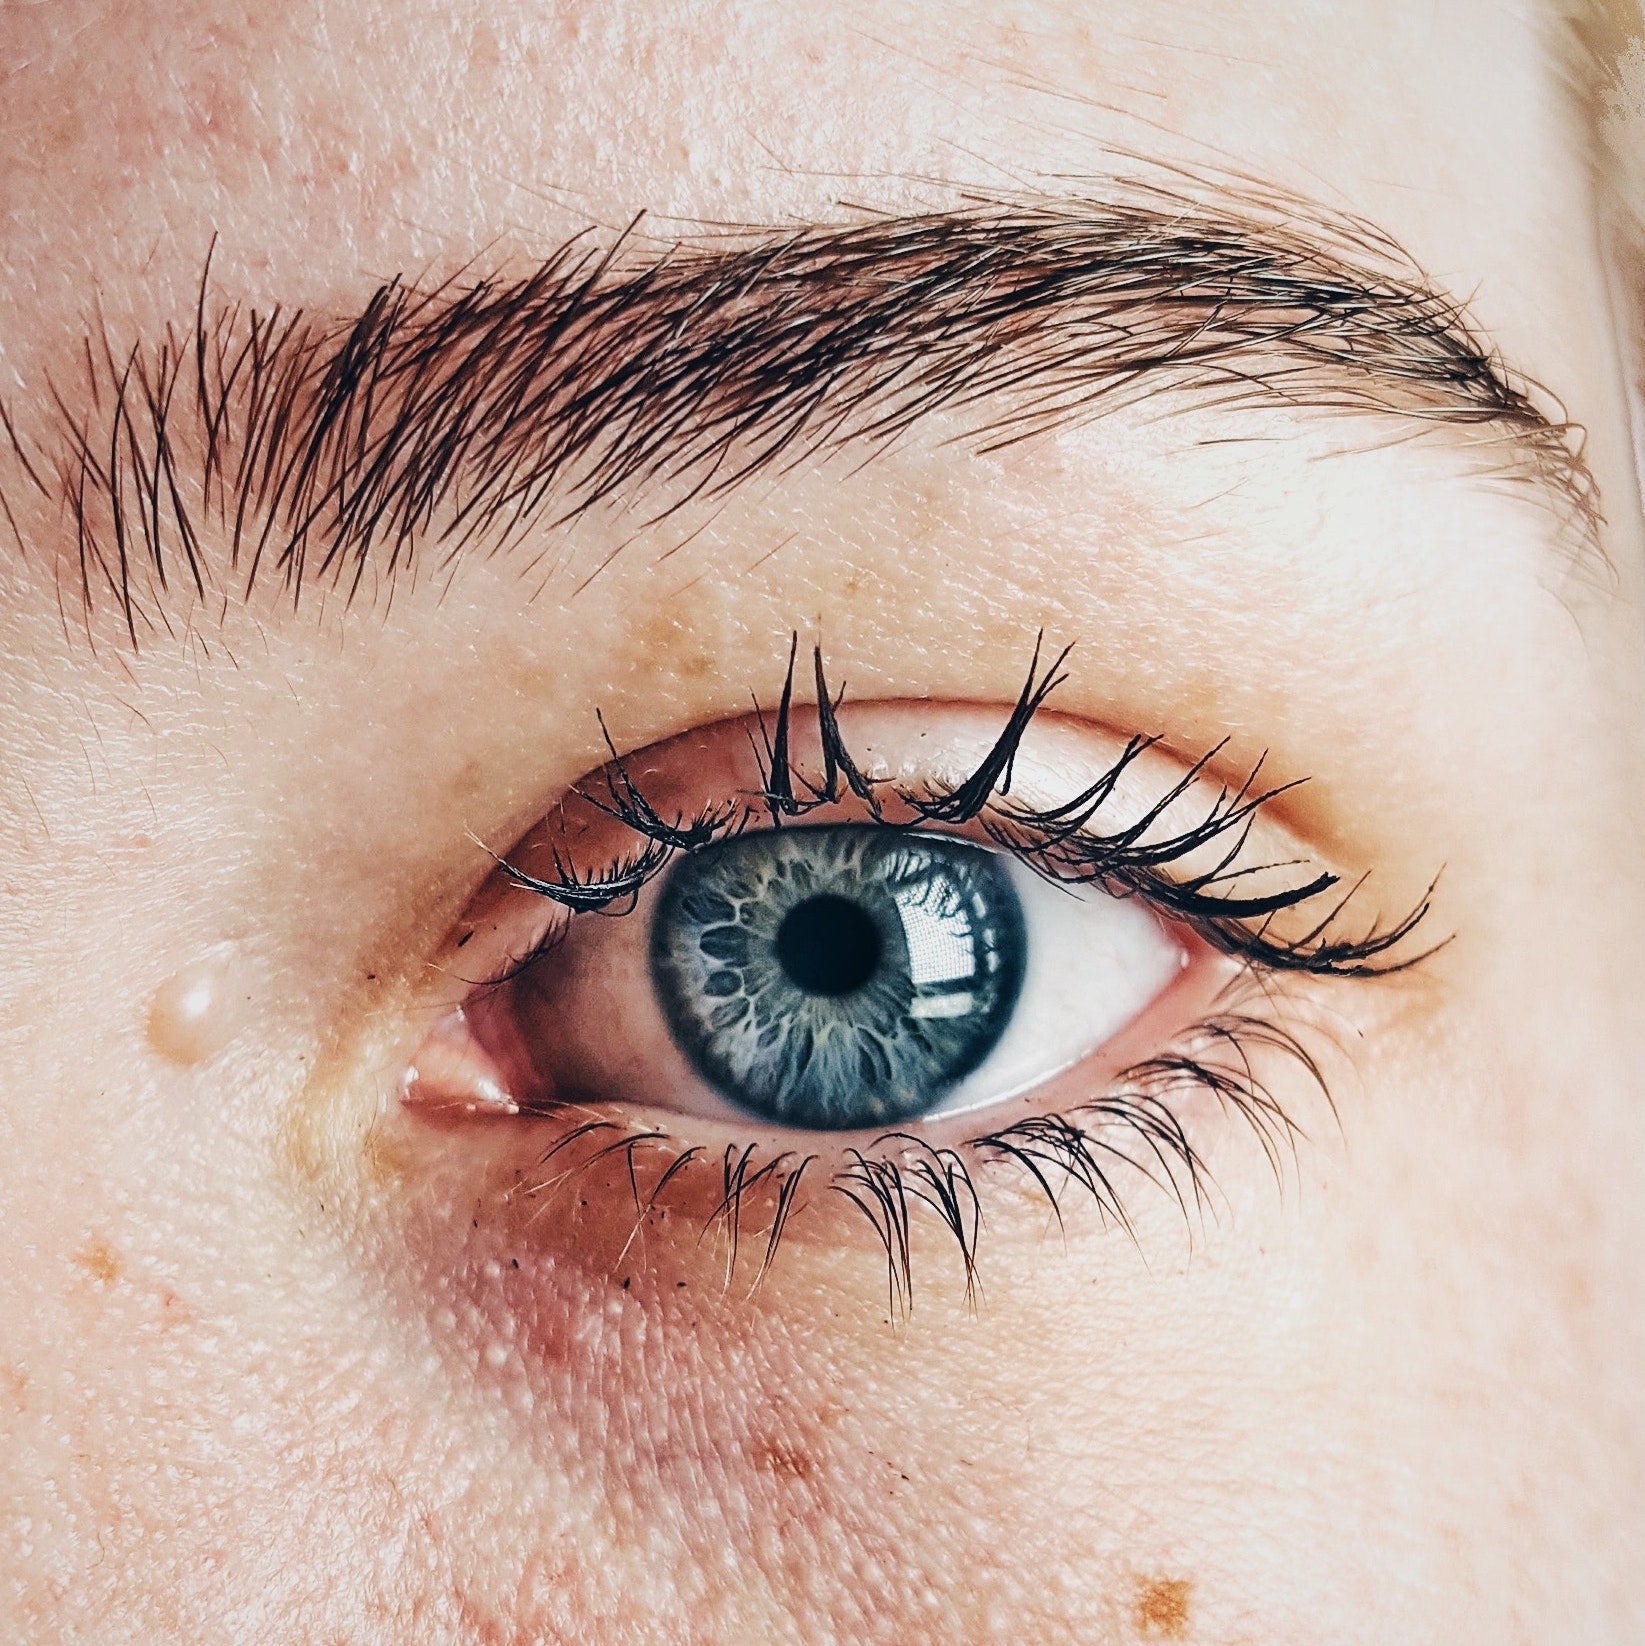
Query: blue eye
[[848, 977], [838, 978]]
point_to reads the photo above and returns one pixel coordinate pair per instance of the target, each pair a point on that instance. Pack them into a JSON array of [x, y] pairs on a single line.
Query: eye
[[827, 979], [767, 945], [906, 948]]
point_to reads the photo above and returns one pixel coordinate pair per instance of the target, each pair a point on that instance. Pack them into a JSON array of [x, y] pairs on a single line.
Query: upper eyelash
[[1058, 842]]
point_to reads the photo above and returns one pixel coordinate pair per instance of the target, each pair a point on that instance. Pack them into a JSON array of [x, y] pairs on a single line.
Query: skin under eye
[[835, 978]]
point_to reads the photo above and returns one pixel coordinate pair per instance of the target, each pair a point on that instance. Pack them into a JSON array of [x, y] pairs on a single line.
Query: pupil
[[828, 945]]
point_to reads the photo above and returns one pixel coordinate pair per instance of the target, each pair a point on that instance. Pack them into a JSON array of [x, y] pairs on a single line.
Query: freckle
[[788, 1462], [1161, 1610], [100, 1261], [197, 1010]]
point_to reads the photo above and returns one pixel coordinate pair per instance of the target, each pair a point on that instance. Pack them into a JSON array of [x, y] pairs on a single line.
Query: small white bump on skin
[[199, 1008]]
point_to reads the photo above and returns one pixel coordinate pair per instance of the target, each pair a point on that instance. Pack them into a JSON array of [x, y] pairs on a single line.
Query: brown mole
[[782, 1458], [1161, 1608]]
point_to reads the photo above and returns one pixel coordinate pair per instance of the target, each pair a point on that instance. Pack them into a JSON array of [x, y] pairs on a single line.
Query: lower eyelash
[[1082, 1153]]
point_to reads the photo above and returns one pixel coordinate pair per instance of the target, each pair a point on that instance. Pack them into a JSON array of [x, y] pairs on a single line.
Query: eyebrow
[[328, 447]]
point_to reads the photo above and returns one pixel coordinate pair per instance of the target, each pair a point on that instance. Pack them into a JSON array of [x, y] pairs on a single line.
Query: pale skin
[[282, 1361]]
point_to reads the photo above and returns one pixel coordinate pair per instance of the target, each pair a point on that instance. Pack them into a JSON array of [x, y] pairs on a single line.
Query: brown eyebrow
[[324, 447]]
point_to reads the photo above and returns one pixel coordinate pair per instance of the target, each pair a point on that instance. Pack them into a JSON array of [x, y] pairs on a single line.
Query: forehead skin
[[1398, 1402]]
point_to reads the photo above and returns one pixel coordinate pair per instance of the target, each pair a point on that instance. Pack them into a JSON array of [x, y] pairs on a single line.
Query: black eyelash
[[625, 802], [1059, 842], [1080, 1154], [592, 893]]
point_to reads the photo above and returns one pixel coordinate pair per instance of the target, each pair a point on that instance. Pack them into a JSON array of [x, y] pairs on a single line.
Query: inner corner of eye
[[827, 978], [454, 1072]]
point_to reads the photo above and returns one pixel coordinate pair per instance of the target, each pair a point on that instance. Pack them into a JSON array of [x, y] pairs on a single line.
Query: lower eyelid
[[708, 1205]]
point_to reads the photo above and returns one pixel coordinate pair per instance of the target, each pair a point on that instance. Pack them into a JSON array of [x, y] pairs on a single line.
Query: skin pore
[[282, 1360]]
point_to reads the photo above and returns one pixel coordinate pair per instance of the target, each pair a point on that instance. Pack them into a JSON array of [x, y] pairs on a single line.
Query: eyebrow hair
[[472, 412]]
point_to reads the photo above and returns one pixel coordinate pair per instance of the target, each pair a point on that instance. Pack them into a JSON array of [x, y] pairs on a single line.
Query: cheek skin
[[757, 1453], [781, 1441]]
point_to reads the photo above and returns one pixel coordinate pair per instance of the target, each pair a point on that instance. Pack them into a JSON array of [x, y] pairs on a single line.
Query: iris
[[838, 977]]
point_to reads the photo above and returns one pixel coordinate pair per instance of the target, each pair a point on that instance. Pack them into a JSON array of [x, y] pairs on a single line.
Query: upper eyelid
[[1058, 842], [333, 445]]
